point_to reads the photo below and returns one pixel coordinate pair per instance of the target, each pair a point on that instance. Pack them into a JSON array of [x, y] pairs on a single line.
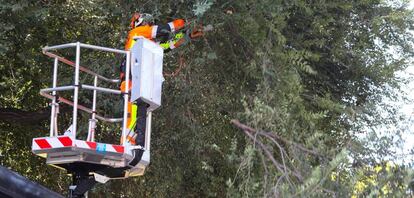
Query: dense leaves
[[307, 81]]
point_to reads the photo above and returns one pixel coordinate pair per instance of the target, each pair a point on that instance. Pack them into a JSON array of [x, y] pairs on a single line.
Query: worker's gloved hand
[[196, 32], [183, 41]]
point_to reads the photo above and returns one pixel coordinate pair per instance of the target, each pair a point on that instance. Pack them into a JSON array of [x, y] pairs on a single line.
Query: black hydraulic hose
[[16, 186]]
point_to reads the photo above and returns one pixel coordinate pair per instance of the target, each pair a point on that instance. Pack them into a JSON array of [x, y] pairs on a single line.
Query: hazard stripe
[[66, 141], [91, 145], [43, 144], [54, 142], [119, 149]]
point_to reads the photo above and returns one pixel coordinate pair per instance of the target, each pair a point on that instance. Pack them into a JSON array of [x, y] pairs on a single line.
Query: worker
[[143, 25]]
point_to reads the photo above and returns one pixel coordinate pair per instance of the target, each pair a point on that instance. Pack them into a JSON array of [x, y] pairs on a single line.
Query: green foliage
[[201, 7]]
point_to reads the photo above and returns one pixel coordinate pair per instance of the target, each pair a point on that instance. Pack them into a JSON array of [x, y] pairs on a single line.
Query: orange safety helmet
[[141, 19]]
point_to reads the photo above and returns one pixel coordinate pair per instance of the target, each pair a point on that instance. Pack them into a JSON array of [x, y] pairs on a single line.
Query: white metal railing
[[76, 86]]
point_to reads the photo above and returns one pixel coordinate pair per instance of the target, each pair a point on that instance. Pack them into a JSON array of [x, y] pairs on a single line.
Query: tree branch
[[21, 117], [274, 135], [281, 168]]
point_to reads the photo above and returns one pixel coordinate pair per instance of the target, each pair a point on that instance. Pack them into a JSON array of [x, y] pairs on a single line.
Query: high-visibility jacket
[[151, 32], [162, 32], [154, 31]]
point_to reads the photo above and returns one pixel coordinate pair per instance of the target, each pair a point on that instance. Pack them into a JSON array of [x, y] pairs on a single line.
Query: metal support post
[[53, 116], [76, 90], [56, 122], [126, 99], [92, 121]]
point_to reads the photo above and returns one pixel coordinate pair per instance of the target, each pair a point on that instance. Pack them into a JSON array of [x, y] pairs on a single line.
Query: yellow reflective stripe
[[178, 36], [133, 118], [170, 43], [165, 45], [131, 44]]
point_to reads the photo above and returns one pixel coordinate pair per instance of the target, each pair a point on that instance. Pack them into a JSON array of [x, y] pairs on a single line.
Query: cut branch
[[281, 168], [274, 135]]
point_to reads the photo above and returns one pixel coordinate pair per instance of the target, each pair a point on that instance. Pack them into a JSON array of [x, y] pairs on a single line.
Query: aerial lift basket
[[105, 161]]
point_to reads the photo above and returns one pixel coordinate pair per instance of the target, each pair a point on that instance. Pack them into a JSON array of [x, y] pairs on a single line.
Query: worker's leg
[[141, 123], [138, 122], [122, 69], [131, 122]]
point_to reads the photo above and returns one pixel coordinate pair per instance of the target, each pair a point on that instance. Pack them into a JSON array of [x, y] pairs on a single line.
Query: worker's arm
[[164, 30], [181, 38], [178, 40]]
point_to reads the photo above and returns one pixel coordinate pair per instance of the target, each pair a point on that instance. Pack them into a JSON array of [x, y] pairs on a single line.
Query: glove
[[196, 32]]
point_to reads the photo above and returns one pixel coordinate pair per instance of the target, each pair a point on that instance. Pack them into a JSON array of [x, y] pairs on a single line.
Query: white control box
[[146, 68]]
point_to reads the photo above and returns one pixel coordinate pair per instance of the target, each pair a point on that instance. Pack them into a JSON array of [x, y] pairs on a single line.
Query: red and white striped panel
[[100, 146], [51, 142], [39, 144]]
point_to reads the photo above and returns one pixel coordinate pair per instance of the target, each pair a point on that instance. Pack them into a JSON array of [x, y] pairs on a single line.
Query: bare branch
[[283, 169], [274, 135]]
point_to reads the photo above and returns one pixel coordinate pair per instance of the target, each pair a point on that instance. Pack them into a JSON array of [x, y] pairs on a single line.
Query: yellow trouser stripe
[[133, 119]]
